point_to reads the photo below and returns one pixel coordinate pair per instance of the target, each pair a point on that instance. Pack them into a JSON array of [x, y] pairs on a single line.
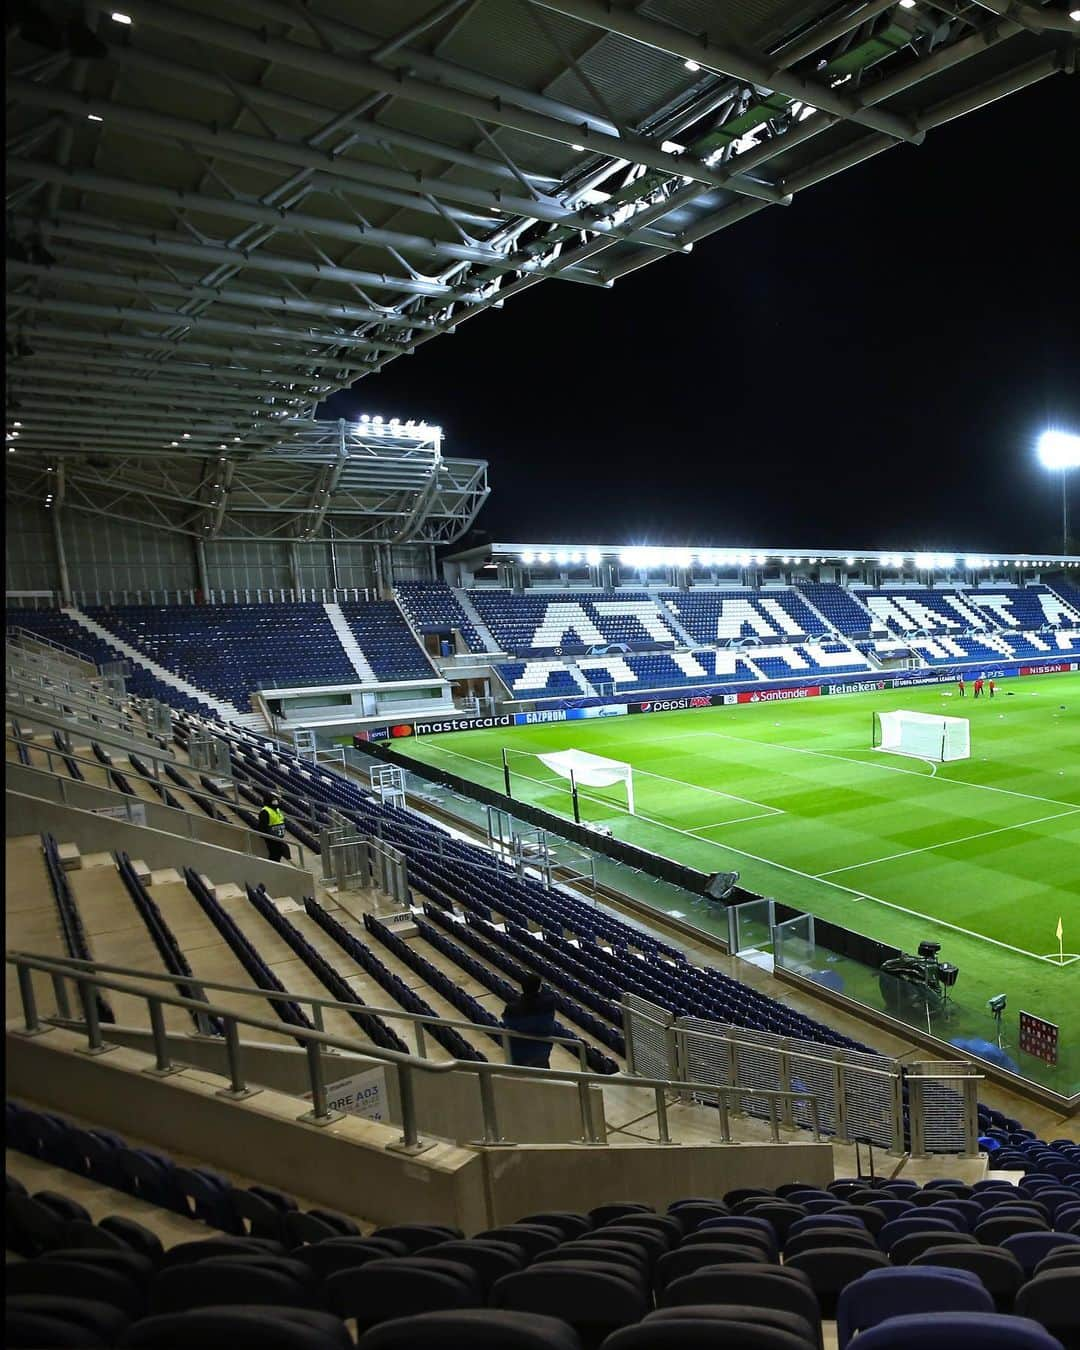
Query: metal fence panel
[[649, 1038], [858, 1095]]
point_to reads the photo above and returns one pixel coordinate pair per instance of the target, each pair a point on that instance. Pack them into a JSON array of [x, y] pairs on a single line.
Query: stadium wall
[[112, 556]]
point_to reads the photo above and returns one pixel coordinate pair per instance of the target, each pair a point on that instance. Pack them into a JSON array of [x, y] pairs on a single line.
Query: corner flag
[[1060, 931], [1059, 935]]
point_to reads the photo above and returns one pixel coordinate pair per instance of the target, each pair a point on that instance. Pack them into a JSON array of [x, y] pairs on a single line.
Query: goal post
[[922, 735]]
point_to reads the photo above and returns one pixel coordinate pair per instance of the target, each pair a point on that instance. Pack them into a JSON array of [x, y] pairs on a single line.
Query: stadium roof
[[218, 215], [647, 557]]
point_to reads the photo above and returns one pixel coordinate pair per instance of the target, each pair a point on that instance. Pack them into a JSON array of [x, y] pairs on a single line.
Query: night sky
[[868, 367]]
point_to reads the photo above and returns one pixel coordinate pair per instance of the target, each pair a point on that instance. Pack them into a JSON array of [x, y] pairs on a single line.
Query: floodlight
[[592, 557], [579, 148], [798, 561], [1059, 450], [786, 561], [760, 560], [528, 557], [849, 562], [544, 557], [120, 18], [562, 557], [682, 557], [692, 66], [924, 561]]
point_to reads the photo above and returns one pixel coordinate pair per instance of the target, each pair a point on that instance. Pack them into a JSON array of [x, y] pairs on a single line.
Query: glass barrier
[[928, 1006], [750, 927], [795, 945]]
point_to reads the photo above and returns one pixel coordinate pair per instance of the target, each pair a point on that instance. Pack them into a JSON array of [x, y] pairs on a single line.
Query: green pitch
[[982, 855]]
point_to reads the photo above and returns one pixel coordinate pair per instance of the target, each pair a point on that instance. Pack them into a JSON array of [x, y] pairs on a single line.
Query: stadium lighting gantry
[[1059, 451]]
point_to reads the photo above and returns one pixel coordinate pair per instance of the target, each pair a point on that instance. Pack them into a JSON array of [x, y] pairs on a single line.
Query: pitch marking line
[[763, 807], [557, 785], [885, 768], [948, 843], [797, 872], [721, 824]]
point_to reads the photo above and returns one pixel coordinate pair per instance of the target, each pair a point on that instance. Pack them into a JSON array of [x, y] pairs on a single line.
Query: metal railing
[[91, 977], [246, 839], [28, 635]]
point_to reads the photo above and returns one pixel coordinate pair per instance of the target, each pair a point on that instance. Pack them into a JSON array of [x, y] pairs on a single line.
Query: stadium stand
[[385, 639], [432, 607], [231, 650], [713, 616], [572, 620], [840, 608], [57, 626], [788, 1269]]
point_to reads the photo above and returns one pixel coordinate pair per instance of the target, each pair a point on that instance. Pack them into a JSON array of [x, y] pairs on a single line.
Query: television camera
[[911, 985]]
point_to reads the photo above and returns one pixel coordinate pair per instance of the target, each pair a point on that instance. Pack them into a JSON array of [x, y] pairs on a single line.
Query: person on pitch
[[962, 687]]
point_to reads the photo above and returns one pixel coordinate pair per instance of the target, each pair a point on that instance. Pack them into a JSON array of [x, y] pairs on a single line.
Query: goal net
[[582, 770], [922, 735]]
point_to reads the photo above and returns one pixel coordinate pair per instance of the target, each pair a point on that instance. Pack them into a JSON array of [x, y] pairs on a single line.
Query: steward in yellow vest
[[272, 826]]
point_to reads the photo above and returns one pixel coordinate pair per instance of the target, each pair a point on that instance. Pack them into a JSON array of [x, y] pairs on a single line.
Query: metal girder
[[242, 212], [714, 56], [380, 487], [233, 297], [167, 318], [82, 228], [288, 221], [368, 75]]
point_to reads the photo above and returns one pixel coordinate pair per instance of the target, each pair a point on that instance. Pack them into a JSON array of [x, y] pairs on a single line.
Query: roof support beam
[[358, 72], [281, 220], [234, 296], [171, 318], [228, 355], [67, 225], [712, 55], [230, 144], [265, 384]]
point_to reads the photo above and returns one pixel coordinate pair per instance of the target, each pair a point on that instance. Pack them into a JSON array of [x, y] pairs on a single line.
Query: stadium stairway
[[226, 709], [360, 663], [473, 614], [674, 621]]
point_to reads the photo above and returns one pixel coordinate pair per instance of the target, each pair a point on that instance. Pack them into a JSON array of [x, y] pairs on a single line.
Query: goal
[[576, 767], [922, 735]]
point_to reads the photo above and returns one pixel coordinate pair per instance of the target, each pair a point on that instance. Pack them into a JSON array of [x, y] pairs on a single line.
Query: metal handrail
[[190, 816], [315, 1001], [17, 631], [775, 1049], [89, 981]]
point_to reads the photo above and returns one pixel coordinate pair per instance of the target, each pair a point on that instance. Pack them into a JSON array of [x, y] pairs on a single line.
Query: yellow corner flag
[[1060, 931], [1059, 935]]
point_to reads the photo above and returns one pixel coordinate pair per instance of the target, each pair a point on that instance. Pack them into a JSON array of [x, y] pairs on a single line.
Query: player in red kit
[[962, 687], [992, 686], [978, 686]]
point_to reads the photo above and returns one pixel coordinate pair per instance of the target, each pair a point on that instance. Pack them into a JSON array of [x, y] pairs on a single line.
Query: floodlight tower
[[1060, 451]]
